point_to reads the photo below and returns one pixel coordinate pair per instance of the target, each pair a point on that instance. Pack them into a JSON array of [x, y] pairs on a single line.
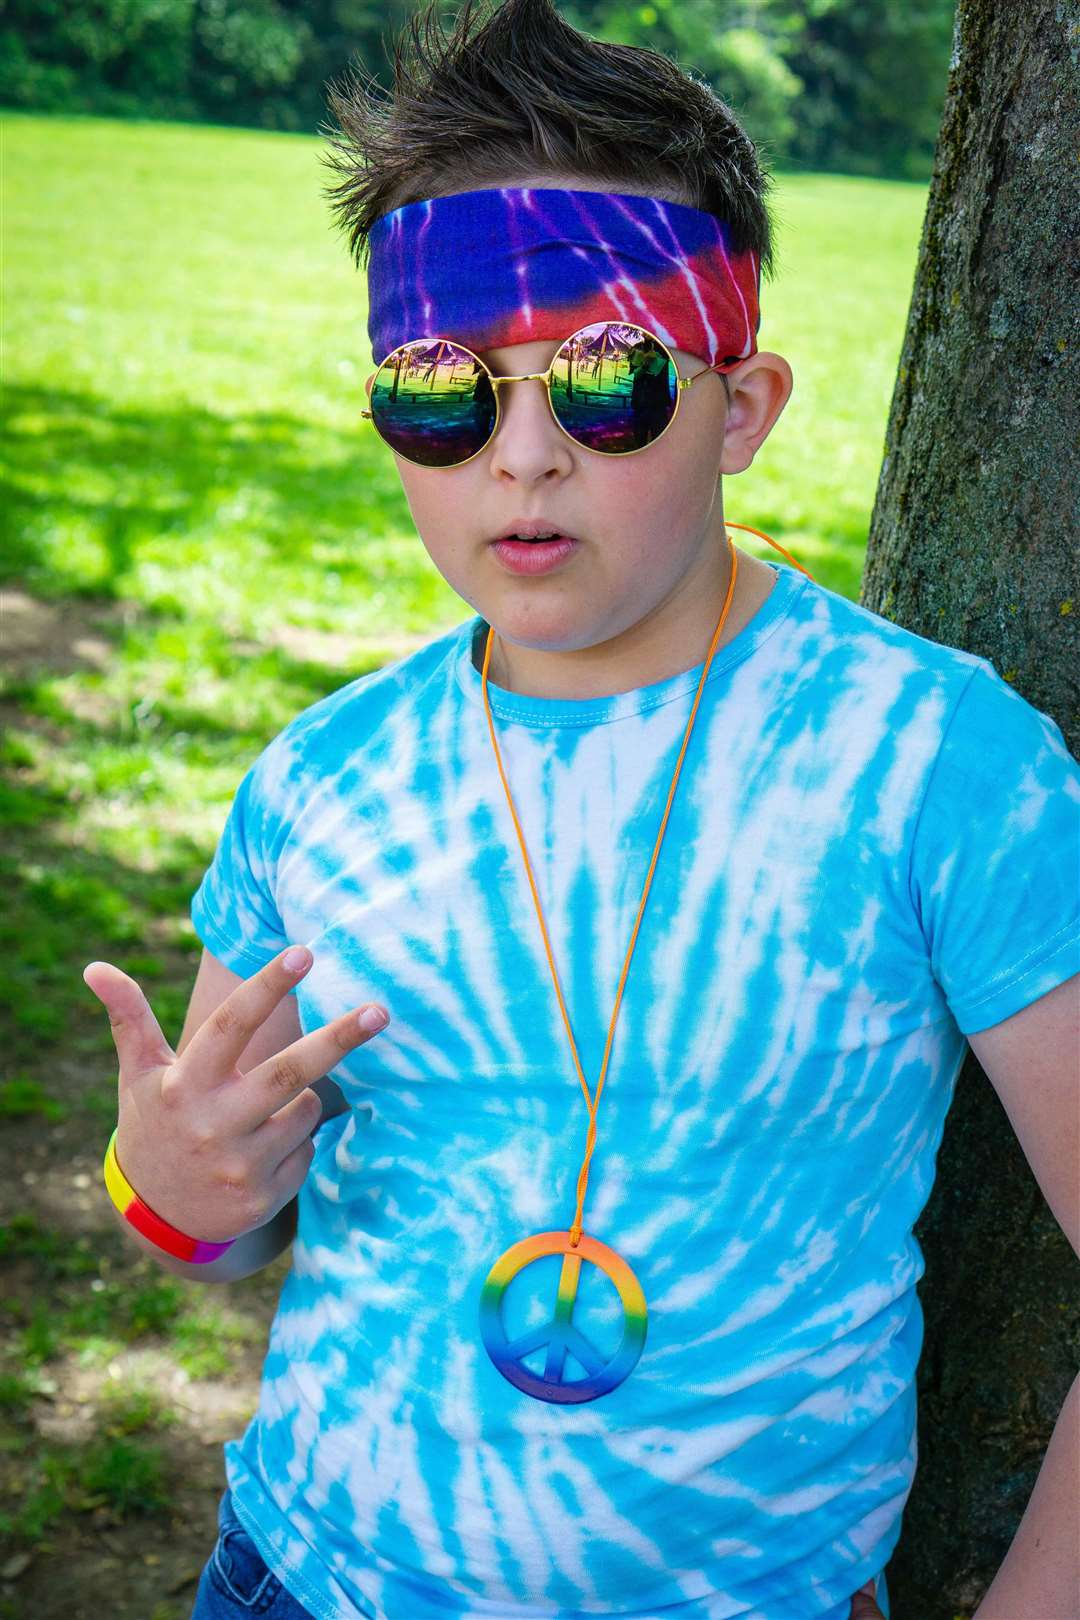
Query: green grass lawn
[[185, 351], [214, 538], [204, 538], [185, 354]]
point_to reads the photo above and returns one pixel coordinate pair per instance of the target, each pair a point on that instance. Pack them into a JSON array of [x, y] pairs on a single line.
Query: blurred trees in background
[[852, 85]]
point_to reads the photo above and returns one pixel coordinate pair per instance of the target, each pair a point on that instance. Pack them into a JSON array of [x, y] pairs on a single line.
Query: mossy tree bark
[[973, 543]]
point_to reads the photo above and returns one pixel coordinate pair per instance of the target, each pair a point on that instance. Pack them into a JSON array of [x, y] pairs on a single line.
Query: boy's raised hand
[[212, 1151]]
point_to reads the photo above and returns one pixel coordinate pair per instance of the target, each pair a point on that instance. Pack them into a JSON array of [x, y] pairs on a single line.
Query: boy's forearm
[[1040, 1578], [247, 1255]]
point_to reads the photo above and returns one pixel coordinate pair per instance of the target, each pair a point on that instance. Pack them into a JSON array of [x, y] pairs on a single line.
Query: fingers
[[140, 1044], [864, 1605], [215, 1048], [272, 1084]]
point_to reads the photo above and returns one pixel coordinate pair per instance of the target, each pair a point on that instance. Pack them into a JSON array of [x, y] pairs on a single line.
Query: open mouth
[[536, 542]]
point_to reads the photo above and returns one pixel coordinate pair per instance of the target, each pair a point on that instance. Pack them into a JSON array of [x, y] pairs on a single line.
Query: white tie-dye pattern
[[780, 1073]]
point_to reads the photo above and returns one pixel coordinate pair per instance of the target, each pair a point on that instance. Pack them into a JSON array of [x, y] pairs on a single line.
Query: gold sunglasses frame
[[681, 384]]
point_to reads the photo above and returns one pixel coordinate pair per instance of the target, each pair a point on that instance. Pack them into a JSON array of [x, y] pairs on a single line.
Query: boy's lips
[[534, 556], [531, 529]]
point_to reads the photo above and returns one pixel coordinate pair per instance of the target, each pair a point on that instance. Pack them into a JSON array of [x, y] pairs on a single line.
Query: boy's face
[[638, 598]]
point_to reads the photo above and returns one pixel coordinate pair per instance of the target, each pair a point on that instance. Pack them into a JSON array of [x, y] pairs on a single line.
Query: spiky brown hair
[[522, 94]]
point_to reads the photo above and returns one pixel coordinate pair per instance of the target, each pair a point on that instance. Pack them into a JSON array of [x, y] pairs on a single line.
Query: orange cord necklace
[[559, 1334]]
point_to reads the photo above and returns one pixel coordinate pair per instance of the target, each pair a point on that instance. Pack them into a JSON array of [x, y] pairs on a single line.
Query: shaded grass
[[82, 1312], [94, 1320]]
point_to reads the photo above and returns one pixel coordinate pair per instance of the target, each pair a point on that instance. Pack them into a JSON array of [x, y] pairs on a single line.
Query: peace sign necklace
[[559, 1334]]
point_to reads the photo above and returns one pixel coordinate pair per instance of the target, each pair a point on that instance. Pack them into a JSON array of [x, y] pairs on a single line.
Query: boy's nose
[[528, 442]]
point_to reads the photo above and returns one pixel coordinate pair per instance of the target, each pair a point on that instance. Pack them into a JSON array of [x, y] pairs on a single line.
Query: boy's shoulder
[[954, 701], [868, 637]]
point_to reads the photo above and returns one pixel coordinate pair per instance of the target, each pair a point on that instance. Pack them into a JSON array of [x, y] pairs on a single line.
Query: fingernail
[[372, 1018], [297, 958]]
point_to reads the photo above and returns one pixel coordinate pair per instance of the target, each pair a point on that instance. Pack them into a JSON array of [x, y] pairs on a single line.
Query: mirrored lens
[[433, 403], [614, 387]]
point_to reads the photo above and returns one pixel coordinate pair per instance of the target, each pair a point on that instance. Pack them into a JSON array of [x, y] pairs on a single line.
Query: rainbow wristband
[[143, 1219]]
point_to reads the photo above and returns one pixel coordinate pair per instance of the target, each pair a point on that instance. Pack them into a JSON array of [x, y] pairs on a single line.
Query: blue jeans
[[237, 1582]]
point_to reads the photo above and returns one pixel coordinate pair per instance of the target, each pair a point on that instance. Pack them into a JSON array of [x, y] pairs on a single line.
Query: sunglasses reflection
[[612, 386], [651, 391]]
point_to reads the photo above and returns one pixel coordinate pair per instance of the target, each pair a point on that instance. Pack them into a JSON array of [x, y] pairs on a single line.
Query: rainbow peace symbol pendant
[[559, 1333]]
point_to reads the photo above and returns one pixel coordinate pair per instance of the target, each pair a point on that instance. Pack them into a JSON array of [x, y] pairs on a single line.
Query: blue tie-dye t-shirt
[[872, 853]]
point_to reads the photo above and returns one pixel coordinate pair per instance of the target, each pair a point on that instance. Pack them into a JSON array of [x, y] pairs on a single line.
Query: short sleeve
[[995, 857], [234, 909]]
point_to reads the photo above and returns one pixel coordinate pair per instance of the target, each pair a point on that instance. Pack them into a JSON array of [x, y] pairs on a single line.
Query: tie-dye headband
[[515, 265]]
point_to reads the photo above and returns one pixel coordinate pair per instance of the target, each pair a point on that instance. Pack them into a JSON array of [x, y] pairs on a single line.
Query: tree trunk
[[973, 544]]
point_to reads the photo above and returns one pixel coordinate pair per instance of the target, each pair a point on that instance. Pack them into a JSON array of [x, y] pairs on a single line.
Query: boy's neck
[[666, 646]]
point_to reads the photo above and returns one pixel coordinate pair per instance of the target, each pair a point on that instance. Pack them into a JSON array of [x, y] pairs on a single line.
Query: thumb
[[136, 1033]]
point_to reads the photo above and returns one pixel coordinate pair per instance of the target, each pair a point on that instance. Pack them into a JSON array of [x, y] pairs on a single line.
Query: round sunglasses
[[613, 388]]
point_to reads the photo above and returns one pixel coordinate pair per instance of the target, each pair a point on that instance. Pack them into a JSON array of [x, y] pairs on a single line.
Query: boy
[[650, 1351]]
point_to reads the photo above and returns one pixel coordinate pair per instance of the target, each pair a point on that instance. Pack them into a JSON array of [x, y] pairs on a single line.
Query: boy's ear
[[760, 388]]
